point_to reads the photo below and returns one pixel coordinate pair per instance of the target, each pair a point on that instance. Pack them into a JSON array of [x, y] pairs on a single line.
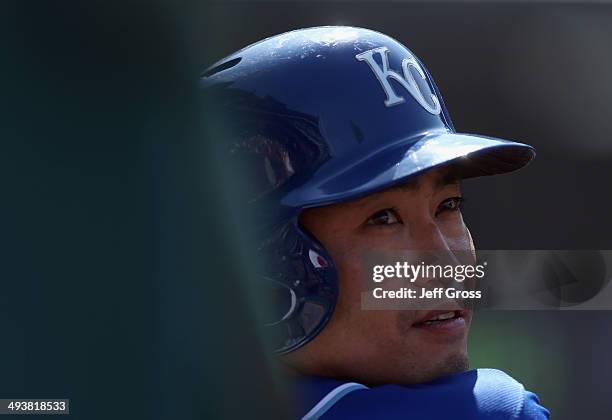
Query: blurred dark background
[[118, 270]]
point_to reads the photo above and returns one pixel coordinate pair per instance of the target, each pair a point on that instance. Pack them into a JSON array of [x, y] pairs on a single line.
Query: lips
[[440, 317]]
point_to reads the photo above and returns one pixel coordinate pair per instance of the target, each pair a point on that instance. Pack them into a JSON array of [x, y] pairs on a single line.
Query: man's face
[[387, 346]]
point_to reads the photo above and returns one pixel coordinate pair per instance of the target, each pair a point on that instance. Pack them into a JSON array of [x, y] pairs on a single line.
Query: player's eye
[[384, 217], [450, 204]]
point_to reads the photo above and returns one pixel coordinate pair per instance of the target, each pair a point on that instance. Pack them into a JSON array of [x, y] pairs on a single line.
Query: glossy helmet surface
[[325, 115]]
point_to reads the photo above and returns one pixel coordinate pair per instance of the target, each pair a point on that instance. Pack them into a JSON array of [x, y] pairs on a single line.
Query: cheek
[[350, 277], [457, 233], [380, 323], [348, 314]]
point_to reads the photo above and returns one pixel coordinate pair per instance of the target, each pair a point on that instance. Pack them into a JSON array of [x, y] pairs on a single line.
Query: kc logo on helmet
[[407, 81]]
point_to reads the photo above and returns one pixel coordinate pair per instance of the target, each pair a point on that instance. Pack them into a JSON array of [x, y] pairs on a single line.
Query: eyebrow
[[447, 178], [442, 180]]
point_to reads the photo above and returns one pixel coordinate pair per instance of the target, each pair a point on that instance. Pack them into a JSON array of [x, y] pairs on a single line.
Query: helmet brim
[[472, 156]]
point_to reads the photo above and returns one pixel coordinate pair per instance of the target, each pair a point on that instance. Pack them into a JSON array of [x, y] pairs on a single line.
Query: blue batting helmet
[[325, 115]]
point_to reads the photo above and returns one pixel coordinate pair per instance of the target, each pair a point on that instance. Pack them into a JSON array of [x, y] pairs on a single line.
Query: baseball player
[[350, 149]]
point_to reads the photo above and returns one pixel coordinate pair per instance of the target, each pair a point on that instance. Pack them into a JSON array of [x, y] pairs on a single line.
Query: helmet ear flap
[[307, 281]]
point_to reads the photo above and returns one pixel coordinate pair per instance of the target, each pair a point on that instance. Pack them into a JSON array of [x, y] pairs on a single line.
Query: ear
[[471, 242]]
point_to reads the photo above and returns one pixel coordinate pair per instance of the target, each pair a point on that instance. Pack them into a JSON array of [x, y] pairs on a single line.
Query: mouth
[[443, 321]]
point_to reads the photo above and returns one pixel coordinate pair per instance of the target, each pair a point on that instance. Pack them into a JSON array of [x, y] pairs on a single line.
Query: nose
[[425, 235], [431, 244]]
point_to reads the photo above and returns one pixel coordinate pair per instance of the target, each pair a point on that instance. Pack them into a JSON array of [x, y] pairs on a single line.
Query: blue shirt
[[473, 395]]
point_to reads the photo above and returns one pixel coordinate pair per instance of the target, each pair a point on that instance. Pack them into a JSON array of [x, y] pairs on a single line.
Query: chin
[[451, 366], [454, 364], [432, 369], [411, 370]]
